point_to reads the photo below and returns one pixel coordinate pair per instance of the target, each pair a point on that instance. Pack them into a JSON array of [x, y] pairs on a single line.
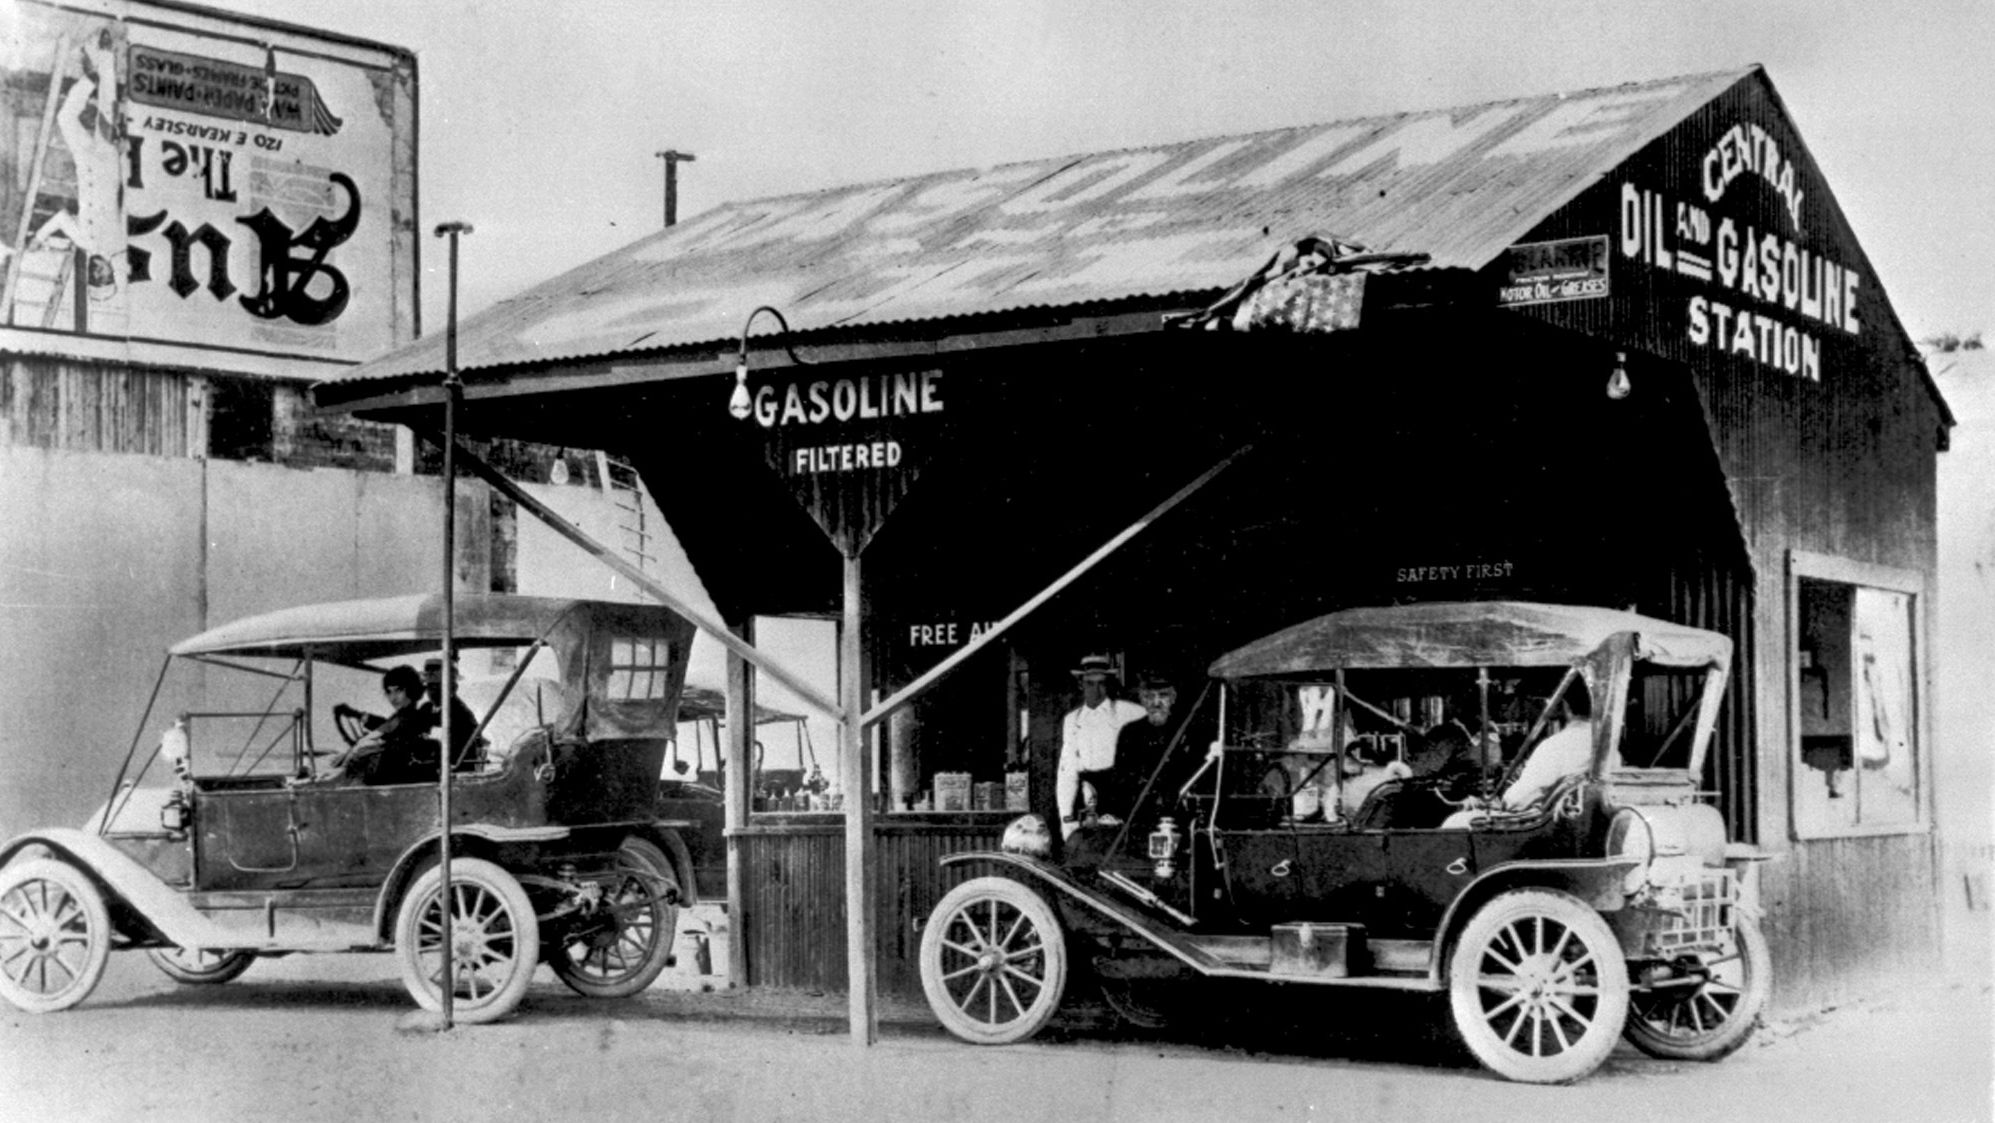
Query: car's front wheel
[[199, 966], [993, 961], [620, 949], [1709, 1014], [494, 940], [1538, 987], [55, 935]]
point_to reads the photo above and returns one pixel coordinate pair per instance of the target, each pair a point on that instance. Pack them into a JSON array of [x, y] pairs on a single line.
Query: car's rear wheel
[[494, 940], [55, 935], [1709, 1019], [201, 966], [622, 948], [1538, 987], [993, 961]]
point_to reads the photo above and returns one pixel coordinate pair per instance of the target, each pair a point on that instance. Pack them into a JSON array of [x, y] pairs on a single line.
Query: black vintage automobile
[[231, 841], [1498, 801]]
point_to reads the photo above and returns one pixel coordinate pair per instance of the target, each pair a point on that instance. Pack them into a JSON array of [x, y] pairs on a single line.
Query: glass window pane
[[1885, 743]]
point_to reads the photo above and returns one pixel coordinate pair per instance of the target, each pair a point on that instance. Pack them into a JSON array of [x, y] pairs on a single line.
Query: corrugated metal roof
[[1192, 217]]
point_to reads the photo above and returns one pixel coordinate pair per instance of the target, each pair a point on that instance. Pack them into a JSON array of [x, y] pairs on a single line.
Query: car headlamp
[[1027, 835]]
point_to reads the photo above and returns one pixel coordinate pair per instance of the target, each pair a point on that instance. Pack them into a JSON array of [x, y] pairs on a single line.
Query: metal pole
[[673, 158], [861, 1003], [453, 388]]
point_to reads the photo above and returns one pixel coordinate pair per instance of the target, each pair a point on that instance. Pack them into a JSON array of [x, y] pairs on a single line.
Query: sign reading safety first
[[197, 190]]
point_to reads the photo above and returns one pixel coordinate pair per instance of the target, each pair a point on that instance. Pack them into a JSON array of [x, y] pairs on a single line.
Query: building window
[[640, 669], [1858, 746]]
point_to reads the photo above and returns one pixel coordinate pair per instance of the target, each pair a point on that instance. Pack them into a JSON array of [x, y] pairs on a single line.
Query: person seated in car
[[462, 722], [1564, 754], [394, 748]]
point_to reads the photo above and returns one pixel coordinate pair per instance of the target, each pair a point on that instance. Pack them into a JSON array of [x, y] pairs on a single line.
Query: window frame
[[1804, 565]]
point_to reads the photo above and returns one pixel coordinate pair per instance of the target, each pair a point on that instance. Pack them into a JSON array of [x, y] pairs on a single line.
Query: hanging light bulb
[[737, 402], [1618, 385]]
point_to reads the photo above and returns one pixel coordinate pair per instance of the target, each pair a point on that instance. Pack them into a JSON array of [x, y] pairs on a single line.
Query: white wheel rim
[[45, 937], [992, 961], [484, 944], [1537, 986]]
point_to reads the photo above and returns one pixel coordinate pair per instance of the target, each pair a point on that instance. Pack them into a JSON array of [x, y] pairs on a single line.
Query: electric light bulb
[[738, 403]]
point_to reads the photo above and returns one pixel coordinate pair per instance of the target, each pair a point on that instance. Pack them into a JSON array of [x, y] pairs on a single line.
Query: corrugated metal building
[[1612, 347]]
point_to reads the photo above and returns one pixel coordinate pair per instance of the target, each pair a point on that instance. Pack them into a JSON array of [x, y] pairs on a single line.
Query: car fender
[[667, 839], [1595, 881], [1166, 937], [118, 875], [480, 837]]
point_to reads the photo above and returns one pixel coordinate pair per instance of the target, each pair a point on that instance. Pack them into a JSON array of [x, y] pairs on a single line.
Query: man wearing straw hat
[[1087, 739]]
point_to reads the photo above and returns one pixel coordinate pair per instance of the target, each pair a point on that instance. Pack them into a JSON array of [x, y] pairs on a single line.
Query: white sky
[[540, 118]]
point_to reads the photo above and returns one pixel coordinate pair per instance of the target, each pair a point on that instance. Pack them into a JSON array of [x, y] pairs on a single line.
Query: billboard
[[190, 189]]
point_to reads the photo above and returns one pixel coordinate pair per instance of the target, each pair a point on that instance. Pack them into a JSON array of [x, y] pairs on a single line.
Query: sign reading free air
[[850, 447]]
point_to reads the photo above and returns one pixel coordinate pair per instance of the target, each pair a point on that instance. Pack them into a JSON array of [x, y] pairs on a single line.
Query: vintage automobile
[[232, 841], [1384, 798]]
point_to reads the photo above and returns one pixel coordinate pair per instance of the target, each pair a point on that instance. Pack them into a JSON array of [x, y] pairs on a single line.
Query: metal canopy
[[1467, 634], [1170, 220]]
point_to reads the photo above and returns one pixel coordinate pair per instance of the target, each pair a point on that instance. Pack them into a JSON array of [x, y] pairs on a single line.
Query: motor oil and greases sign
[[205, 192]]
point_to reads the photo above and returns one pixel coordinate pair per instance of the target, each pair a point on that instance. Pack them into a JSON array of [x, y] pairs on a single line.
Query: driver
[[394, 746]]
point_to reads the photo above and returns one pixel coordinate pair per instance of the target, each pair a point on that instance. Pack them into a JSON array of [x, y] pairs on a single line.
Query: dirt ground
[[317, 1038], [334, 1038]]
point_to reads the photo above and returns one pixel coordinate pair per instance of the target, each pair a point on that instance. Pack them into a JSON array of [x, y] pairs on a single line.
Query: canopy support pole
[[608, 556], [736, 777], [861, 1000]]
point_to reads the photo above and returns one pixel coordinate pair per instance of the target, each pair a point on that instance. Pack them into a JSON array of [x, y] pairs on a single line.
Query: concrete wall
[[106, 559], [1964, 709]]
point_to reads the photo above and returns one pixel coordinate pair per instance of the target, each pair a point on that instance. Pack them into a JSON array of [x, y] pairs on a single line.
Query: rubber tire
[[645, 856], [45, 887], [518, 932], [1756, 963], [1602, 1020], [226, 966], [1020, 916]]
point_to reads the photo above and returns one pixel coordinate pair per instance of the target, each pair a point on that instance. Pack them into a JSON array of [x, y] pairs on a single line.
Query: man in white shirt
[[1087, 736]]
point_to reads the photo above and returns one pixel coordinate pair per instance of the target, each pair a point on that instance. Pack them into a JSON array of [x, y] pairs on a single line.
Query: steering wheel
[[350, 723]]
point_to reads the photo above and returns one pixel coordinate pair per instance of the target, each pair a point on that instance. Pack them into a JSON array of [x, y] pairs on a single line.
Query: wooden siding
[[792, 922], [52, 403], [1845, 914]]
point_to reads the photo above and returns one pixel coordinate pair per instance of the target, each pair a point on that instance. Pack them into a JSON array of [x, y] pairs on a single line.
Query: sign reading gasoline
[[207, 198], [849, 448]]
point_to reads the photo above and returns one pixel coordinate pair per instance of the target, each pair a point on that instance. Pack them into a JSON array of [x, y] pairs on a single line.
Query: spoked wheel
[[55, 935], [621, 949], [993, 961], [1538, 987], [200, 966], [494, 940], [1707, 1018]]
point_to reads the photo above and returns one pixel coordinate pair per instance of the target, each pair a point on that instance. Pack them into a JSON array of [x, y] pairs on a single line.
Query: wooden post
[[738, 764], [860, 1004]]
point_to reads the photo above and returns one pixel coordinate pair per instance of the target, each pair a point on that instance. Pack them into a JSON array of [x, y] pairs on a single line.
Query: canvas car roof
[[384, 627], [1467, 634]]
